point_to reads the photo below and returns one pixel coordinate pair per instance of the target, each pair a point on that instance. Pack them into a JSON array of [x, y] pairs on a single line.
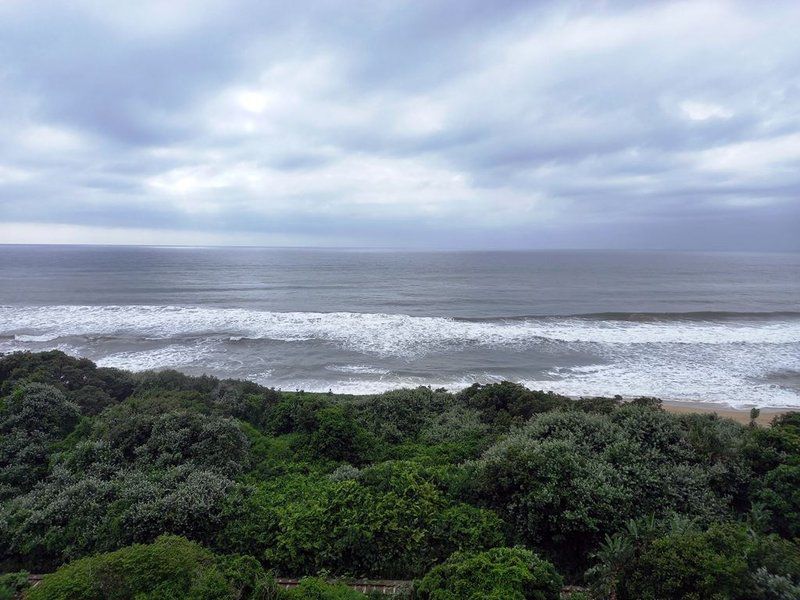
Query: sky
[[422, 124]]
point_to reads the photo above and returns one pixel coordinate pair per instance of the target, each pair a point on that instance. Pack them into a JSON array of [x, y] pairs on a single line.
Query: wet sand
[[741, 415]]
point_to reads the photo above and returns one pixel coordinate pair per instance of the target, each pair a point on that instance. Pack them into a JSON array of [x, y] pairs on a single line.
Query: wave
[[47, 337], [702, 315], [358, 369], [653, 316], [160, 358], [740, 360], [378, 333]]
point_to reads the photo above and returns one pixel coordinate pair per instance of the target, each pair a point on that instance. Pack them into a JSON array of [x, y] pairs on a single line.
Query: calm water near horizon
[[716, 327]]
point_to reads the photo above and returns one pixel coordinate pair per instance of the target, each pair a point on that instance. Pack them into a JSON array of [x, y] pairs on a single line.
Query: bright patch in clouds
[[781, 152], [702, 111], [253, 101]]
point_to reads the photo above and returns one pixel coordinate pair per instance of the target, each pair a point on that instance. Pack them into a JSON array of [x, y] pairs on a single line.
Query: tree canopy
[[201, 487]]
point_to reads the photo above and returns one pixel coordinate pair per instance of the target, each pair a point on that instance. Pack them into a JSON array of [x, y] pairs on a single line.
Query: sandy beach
[[741, 415]]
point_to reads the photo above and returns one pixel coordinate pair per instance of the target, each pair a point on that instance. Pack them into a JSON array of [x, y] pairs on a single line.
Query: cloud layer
[[443, 124]]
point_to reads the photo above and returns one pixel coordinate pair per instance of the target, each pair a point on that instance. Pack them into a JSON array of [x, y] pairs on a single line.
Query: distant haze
[[463, 124]]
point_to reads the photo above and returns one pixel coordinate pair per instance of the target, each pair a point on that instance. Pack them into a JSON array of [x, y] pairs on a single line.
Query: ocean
[[711, 327]]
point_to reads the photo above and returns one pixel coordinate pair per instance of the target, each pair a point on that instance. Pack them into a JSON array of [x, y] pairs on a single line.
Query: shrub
[[90, 387], [768, 448], [143, 433], [721, 560], [246, 400], [694, 565], [171, 567], [780, 496], [294, 413], [499, 573], [39, 407], [32, 419], [72, 515], [11, 584], [314, 588], [389, 522], [399, 415], [24, 460], [553, 495], [456, 424], [504, 404], [338, 437], [565, 480], [774, 587], [168, 379]]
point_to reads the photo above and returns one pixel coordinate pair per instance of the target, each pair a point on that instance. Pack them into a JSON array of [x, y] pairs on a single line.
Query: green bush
[[33, 419], [338, 437], [38, 407], [73, 515], [314, 588], [768, 586], [768, 448], [499, 573], [565, 480], [163, 431], [399, 415], [553, 494], [90, 387], [694, 566], [12, 584], [780, 497], [724, 562], [171, 567], [246, 400], [504, 404], [390, 521], [295, 413]]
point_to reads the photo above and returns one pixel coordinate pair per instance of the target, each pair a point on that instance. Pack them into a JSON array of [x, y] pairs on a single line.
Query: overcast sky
[[472, 123]]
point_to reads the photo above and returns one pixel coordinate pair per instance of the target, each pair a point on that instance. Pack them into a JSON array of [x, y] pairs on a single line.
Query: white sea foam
[[159, 358], [725, 360], [47, 337], [732, 374], [358, 369], [612, 380], [381, 334]]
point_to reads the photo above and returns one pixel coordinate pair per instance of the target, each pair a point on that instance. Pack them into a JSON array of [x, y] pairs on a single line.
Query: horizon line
[[395, 248]]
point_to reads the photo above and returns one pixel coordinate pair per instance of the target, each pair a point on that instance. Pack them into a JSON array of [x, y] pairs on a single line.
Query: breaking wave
[[384, 334], [718, 357]]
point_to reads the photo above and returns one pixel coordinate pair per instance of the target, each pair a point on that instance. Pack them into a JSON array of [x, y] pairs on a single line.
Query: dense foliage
[[215, 486], [501, 573], [13, 584], [171, 567]]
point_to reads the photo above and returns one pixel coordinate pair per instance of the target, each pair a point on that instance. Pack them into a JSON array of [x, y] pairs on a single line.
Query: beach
[[740, 415]]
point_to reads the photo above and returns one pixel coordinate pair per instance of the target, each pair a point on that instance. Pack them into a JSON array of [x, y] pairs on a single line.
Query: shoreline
[[740, 415], [678, 407]]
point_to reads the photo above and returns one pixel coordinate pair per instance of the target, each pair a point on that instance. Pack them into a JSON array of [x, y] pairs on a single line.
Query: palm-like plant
[[611, 558], [616, 553]]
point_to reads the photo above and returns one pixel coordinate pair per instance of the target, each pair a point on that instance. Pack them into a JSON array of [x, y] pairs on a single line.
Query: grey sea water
[[716, 327]]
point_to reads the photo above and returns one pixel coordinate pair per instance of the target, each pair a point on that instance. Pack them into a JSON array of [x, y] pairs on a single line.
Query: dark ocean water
[[697, 326]]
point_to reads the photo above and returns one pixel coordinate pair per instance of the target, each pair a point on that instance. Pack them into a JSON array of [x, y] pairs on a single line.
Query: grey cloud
[[464, 123]]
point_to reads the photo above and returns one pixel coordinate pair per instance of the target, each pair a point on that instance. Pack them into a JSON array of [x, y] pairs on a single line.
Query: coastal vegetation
[[161, 485]]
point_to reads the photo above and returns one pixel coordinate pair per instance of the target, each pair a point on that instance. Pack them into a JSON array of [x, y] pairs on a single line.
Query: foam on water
[[720, 360], [731, 374], [47, 337], [358, 369], [161, 358], [381, 334]]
